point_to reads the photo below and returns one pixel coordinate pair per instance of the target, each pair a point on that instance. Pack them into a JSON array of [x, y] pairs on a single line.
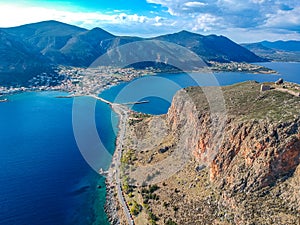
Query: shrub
[[152, 216], [136, 208], [170, 222], [153, 188]]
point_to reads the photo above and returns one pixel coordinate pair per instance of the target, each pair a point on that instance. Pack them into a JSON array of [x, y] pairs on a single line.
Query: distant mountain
[[276, 51], [84, 48], [45, 35], [40, 46], [212, 47], [19, 62], [292, 46]]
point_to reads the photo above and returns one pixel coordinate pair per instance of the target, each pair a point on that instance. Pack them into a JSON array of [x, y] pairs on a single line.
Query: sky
[[241, 20]]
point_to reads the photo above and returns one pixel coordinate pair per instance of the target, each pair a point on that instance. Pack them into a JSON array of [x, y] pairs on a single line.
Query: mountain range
[[31, 49], [277, 50]]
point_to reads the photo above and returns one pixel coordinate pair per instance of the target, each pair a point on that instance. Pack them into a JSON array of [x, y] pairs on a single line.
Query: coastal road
[[122, 111]]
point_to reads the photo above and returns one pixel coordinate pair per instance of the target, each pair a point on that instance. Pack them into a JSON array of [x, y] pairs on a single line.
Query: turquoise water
[[43, 177]]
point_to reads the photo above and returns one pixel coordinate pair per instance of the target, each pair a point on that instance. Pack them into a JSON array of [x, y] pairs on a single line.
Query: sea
[[44, 178]]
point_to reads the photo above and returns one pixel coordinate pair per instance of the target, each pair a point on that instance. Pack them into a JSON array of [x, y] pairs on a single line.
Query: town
[[239, 67], [78, 81]]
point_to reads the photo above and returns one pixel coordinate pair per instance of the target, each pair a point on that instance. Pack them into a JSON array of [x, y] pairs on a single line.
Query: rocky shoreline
[[110, 206]]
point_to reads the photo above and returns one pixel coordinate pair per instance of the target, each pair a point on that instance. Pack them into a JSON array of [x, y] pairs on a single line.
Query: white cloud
[[205, 22], [234, 6], [255, 35], [158, 21], [284, 19], [12, 15], [161, 2], [125, 18], [195, 4], [118, 23], [258, 1], [242, 18]]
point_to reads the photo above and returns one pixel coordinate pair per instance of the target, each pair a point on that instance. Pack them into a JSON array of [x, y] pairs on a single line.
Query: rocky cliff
[[259, 145], [260, 134], [245, 147]]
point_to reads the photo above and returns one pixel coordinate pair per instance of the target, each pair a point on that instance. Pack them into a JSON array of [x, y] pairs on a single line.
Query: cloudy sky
[[240, 20]]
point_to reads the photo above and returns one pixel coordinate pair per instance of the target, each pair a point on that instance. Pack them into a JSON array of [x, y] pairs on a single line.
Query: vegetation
[[137, 117], [170, 222], [152, 218], [153, 188], [166, 204], [136, 208], [149, 193], [125, 186], [128, 157], [246, 101], [140, 115]]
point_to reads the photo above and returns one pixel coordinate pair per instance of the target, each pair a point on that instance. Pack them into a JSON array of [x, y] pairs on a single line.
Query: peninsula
[[251, 175]]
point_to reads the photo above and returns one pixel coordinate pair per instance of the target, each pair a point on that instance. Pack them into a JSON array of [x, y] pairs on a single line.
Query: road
[[122, 111]]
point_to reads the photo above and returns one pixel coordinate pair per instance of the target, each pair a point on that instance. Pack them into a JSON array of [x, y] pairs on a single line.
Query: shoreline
[[111, 203], [115, 203], [116, 207]]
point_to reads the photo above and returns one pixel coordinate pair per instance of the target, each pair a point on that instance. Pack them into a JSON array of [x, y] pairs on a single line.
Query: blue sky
[[242, 21]]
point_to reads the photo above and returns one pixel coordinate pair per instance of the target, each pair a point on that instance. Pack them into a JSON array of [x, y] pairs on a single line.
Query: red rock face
[[290, 157], [254, 158], [247, 155]]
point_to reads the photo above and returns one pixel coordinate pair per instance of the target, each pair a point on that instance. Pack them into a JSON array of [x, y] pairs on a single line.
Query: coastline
[[111, 77], [116, 208], [110, 206], [111, 202]]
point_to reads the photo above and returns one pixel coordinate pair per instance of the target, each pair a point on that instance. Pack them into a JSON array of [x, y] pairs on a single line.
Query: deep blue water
[[44, 178]]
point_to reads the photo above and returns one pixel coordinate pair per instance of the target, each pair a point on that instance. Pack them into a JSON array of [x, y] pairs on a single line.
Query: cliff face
[[254, 155], [251, 153]]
